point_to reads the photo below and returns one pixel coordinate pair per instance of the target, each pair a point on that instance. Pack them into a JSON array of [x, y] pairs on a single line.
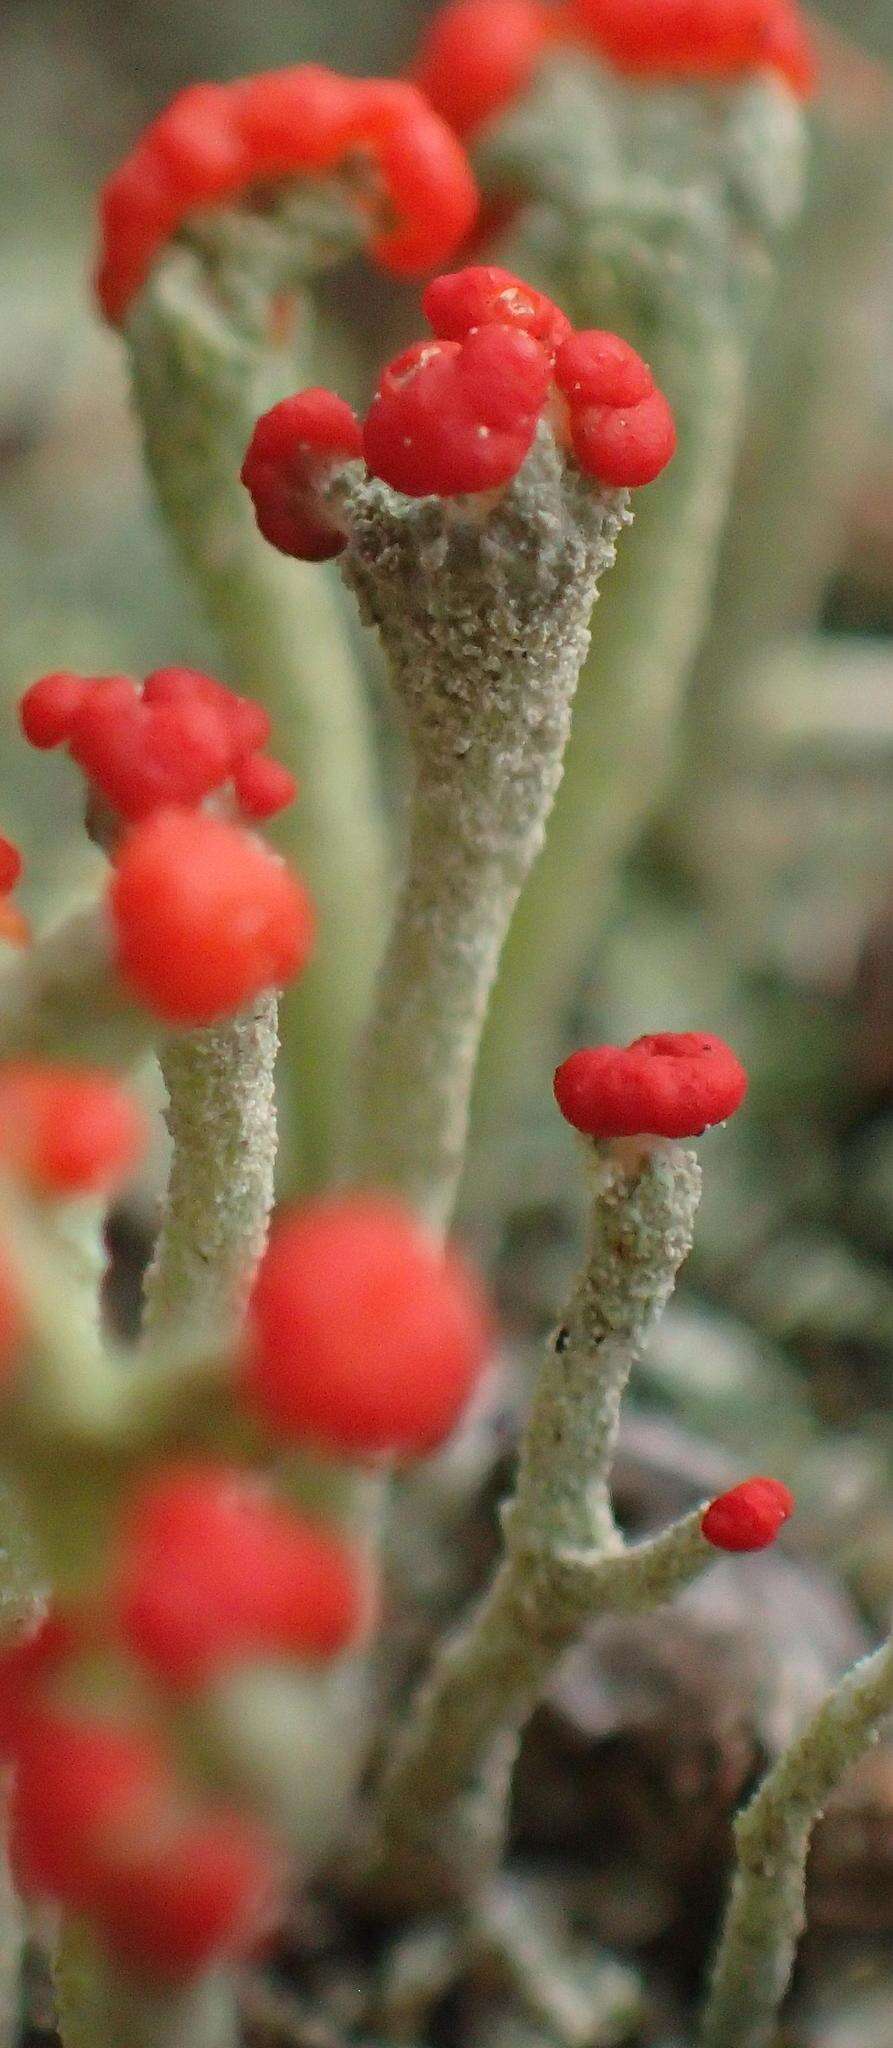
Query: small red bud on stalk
[[669, 1084], [748, 1517]]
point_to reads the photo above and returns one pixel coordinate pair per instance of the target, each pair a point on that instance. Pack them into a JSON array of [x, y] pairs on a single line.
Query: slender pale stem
[[484, 615], [765, 1915], [442, 1801], [203, 370], [222, 1120]]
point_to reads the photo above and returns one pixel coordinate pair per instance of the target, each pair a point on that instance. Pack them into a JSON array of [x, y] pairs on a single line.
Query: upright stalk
[[203, 369], [222, 1119], [484, 615], [766, 1910], [442, 1802]]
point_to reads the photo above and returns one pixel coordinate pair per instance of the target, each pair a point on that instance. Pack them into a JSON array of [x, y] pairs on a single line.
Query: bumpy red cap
[[215, 143], [482, 295], [452, 417], [457, 415], [477, 56], [184, 736], [212, 1571], [699, 38], [673, 1084], [363, 1335], [295, 449], [10, 865], [749, 1516], [98, 1826], [69, 1131], [204, 917]]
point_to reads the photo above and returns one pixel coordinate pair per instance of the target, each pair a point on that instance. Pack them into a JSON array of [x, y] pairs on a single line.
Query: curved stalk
[[203, 369], [766, 1909], [442, 1803]]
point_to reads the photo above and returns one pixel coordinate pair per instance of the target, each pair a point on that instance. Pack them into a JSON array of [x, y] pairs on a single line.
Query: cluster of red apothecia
[[14, 928], [216, 144], [478, 56], [203, 915], [458, 414]]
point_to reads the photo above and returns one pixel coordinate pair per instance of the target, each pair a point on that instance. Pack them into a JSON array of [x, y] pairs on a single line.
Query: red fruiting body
[[10, 865], [24, 1668], [749, 1516], [213, 1572], [596, 368], [263, 786], [246, 723], [97, 1825], [205, 917], [457, 415], [477, 56], [14, 928], [176, 742], [485, 296], [215, 143], [674, 1084], [47, 711], [295, 448], [68, 1131], [364, 1337], [698, 38], [12, 1320], [625, 446], [453, 417]]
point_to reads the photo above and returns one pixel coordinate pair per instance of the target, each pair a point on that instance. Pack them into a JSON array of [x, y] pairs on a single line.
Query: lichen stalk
[[204, 366], [101, 2007], [441, 1805], [765, 1915], [221, 1115], [483, 611]]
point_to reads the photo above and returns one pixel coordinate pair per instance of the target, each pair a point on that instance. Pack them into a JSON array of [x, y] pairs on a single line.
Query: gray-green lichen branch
[[765, 1915], [222, 1119], [483, 610], [205, 362], [441, 1804]]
